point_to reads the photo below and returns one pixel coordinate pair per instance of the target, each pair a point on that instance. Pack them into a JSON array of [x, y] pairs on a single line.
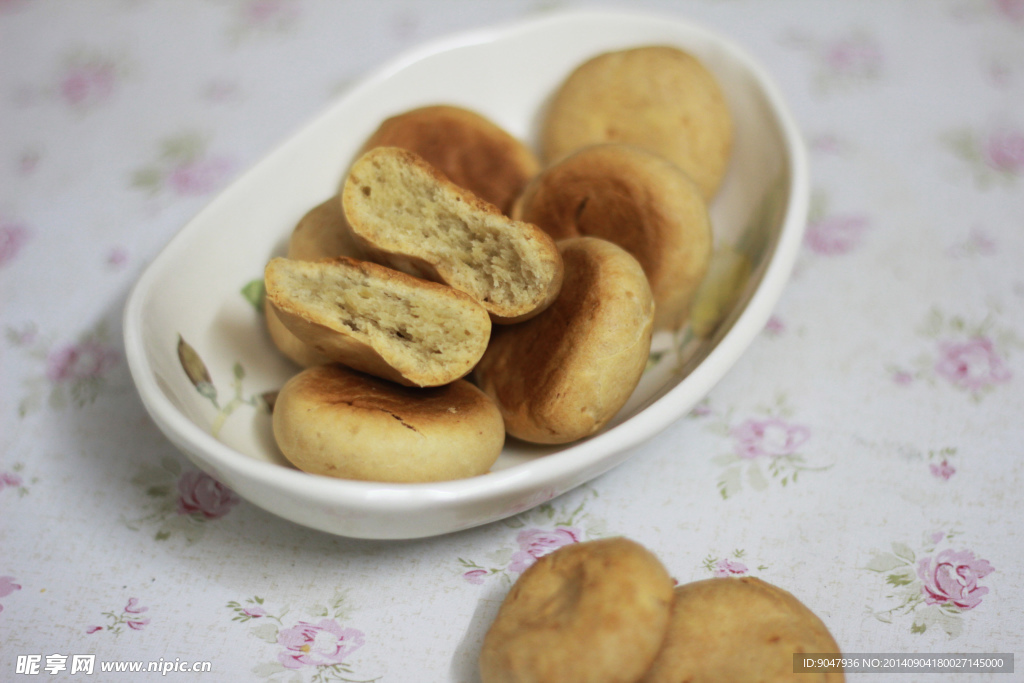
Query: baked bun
[[293, 348], [594, 611], [337, 422], [658, 97], [379, 320], [410, 217], [321, 233], [469, 149], [739, 629], [638, 200], [564, 375]]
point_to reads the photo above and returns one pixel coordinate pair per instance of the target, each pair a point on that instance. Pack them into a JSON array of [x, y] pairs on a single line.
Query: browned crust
[[658, 97], [564, 374], [739, 629], [587, 612], [335, 421], [637, 200], [468, 148]]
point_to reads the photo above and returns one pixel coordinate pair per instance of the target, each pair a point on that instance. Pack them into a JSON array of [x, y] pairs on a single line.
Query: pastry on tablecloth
[[587, 612], [739, 629]]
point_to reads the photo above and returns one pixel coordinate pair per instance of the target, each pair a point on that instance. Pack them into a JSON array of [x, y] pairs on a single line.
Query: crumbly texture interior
[[427, 327], [404, 208]]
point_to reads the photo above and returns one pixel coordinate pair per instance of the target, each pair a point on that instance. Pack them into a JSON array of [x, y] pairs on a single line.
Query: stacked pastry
[[607, 611], [458, 289]]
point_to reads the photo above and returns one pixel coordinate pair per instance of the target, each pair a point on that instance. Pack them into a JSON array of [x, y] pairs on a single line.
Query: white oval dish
[[201, 359]]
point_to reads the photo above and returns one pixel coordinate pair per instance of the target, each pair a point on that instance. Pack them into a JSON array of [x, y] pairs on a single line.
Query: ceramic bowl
[[202, 361]]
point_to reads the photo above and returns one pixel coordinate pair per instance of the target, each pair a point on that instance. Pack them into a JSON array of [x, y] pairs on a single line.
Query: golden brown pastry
[[378, 320], [293, 348], [739, 629], [337, 422], [638, 200], [407, 215], [322, 233], [469, 149], [594, 611], [564, 374], [658, 97]]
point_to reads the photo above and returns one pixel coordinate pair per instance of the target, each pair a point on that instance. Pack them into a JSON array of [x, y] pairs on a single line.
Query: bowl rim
[[572, 459]]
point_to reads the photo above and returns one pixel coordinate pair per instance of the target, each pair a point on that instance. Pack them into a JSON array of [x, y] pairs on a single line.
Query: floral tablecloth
[[864, 454]]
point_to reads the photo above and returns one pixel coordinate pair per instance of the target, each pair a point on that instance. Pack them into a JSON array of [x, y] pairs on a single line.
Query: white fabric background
[[891, 370]]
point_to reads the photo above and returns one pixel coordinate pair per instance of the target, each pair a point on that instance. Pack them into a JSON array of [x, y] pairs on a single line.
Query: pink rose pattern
[[321, 644], [130, 616], [541, 531], [942, 470], [201, 494], [88, 83], [1011, 9], [251, 609], [835, 235], [994, 154], [185, 168], [536, 543], [86, 78], [764, 448], [324, 644], [830, 234], [771, 437], [83, 361], [199, 177], [828, 144], [73, 373], [951, 578], [973, 358], [725, 567], [12, 480], [263, 17], [12, 238], [180, 502], [7, 586], [532, 544], [117, 257], [973, 365], [933, 586], [1004, 151], [775, 326], [978, 243], [841, 61]]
